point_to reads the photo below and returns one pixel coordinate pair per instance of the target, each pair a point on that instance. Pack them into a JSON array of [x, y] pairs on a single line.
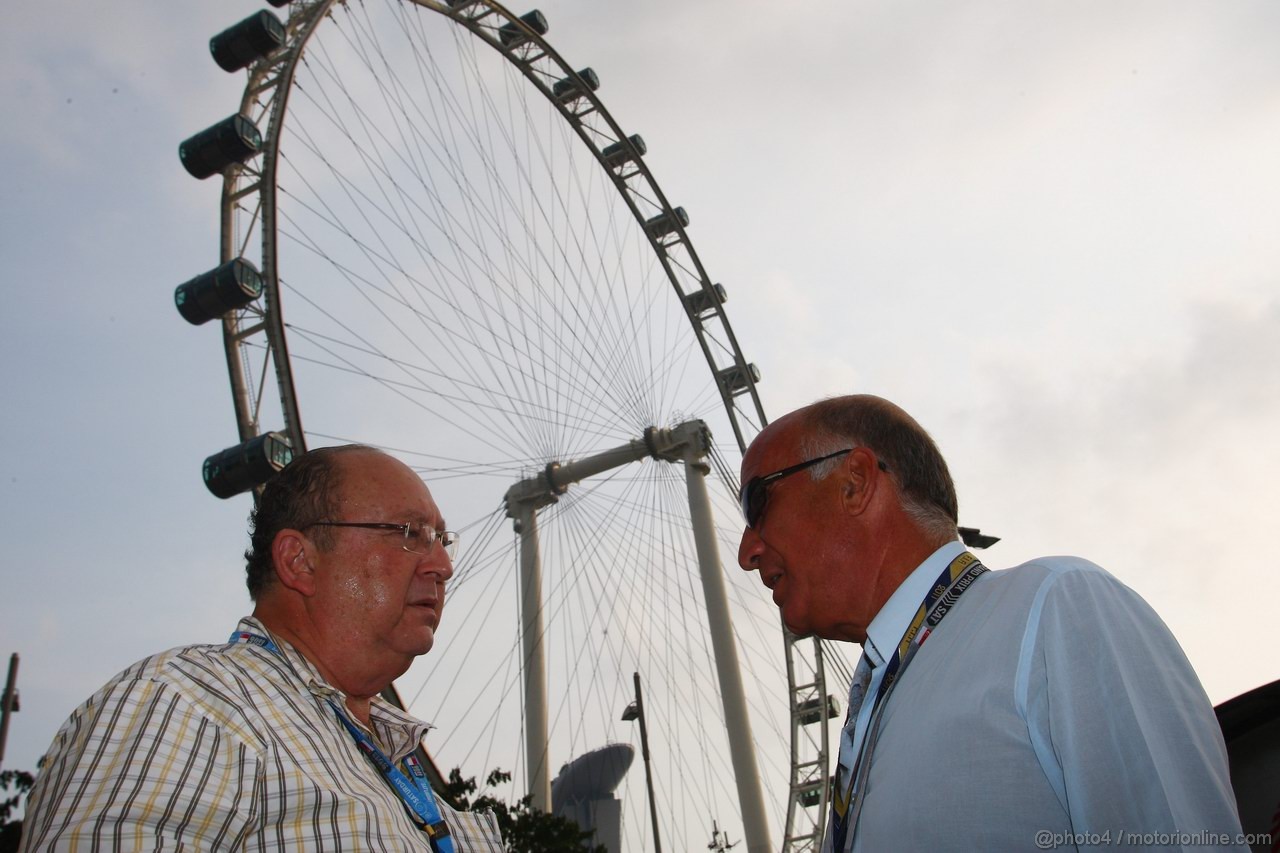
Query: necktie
[[838, 830], [857, 690]]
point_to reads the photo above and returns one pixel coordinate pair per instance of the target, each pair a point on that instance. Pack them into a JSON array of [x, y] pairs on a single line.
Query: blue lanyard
[[957, 577], [954, 580], [414, 792]]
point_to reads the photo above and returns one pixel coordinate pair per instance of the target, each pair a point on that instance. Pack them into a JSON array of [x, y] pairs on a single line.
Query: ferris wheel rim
[[466, 14]]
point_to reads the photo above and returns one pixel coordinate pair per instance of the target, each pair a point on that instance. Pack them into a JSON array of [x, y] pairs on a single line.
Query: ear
[[291, 554], [860, 481]]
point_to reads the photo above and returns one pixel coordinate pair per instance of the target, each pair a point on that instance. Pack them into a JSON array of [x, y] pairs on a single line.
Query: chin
[[804, 627], [416, 645], [799, 628]]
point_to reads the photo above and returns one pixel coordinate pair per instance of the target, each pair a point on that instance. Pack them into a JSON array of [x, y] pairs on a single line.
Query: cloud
[[1160, 466], [784, 328], [1141, 411]]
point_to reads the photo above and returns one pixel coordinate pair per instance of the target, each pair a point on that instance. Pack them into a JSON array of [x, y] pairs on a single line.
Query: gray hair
[[927, 493]]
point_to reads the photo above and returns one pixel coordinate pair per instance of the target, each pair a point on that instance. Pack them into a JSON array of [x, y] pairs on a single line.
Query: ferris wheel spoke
[[658, 374], [352, 274], [422, 374]]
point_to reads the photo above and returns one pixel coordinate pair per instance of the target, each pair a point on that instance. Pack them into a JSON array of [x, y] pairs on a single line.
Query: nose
[[750, 549], [437, 562]]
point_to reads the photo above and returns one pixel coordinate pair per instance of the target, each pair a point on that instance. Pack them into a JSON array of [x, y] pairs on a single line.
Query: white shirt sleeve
[[1118, 719]]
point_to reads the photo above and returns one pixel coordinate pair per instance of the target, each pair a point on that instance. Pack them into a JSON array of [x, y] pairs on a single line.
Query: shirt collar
[[304, 669], [886, 630], [393, 727]]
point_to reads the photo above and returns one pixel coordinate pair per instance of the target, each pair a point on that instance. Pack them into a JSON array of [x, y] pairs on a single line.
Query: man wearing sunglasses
[[1042, 706], [279, 739]]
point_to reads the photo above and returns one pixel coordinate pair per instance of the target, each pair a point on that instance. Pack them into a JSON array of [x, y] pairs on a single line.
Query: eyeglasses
[[419, 537], [755, 494]]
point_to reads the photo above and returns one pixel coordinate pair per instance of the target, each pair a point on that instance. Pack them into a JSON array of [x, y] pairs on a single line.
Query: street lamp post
[[635, 711], [11, 702]]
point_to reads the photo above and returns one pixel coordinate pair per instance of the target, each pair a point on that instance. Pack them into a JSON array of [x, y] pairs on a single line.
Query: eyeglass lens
[[756, 494], [420, 537]]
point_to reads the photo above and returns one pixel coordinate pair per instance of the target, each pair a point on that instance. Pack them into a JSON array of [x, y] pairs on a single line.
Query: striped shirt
[[229, 747]]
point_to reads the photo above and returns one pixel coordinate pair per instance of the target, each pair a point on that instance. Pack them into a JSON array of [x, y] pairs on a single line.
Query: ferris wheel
[[436, 240]]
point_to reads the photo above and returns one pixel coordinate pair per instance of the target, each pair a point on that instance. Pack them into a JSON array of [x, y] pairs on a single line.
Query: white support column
[[755, 826], [689, 443], [537, 769]]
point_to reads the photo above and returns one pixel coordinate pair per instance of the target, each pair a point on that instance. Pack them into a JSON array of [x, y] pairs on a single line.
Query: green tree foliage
[[20, 782], [524, 828]]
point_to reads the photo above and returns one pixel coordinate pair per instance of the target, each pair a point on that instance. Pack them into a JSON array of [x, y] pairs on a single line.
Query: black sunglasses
[[755, 494]]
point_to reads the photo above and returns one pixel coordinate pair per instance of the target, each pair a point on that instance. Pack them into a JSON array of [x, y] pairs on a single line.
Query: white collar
[[886, 630]]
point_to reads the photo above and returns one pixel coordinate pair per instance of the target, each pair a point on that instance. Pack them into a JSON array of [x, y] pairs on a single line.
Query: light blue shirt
[[1051, 708], [883, 635]]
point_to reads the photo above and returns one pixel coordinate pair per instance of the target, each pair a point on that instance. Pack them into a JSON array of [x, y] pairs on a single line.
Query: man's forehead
[[362, 466], [373, 476], [779, 439]]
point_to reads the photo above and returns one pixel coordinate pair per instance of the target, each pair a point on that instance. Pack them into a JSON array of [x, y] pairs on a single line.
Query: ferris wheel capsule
[[235, 139], [512, 36], [246, 466], [211, 294], [242, 44]]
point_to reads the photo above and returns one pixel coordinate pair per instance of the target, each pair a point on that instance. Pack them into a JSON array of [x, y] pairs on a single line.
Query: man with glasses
[[1045, 705], [279, 738]]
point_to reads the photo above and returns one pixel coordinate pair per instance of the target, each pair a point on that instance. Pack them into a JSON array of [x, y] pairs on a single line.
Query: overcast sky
[[1046, 229]]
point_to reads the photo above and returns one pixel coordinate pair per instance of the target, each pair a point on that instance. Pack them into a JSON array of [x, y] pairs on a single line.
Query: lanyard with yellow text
[[414, 791], [957, 577]]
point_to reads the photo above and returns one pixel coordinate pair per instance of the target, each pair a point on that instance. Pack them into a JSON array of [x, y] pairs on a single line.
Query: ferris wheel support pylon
[[741, 745], [688, 443], [533, 630]]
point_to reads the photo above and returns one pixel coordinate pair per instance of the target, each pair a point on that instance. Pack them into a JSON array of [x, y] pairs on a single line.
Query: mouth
[[773, 581], [428, 606]]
